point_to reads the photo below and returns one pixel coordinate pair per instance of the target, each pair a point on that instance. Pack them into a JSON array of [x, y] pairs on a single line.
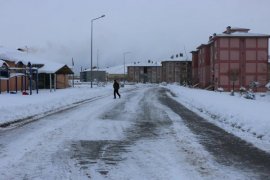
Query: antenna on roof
[[21, 49]]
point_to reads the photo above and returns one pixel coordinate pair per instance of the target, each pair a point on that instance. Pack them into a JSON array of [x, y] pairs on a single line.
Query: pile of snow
[[268, 86], [15, 107], [248, 119]]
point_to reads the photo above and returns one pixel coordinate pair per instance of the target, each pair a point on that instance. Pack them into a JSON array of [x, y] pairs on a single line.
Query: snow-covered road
[[135, 137]]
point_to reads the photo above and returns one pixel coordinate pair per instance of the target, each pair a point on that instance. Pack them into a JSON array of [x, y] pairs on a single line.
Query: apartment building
[[145, 72], [177, 71], [233, 59]]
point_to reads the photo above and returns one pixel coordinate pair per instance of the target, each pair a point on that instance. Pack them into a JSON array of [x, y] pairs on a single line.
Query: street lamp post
[[124, 54], [91, 74]]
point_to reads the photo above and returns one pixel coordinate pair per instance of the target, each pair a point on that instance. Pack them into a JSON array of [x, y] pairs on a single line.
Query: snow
[[114, 69], [248, 119], [119, 69], [178, 59], [240, 34], [44, 151], [268, 85], [24, 57], [18, 106], [51, 67], [15, 74], [2, 63]]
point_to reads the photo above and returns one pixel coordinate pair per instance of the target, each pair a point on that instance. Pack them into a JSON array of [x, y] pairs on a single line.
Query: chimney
[[228, 30]]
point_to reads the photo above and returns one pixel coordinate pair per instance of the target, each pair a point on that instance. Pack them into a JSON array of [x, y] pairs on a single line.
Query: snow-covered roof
[[115, 69], [24, 57], [177, 59], [16, 74], [242, 34], [2, 63], [230, 29], [239, 28], [119, 69], [51, 67], [145, 64], [203, 45], [194, 51]]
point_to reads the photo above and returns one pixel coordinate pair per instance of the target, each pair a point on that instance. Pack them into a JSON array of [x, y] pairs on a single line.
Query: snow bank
[[248, 119], [14, 107]]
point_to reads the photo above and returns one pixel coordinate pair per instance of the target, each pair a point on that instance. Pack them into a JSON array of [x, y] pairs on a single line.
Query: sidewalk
[[16, 107]]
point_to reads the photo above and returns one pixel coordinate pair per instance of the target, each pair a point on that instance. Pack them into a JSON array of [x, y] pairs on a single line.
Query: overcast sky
[[149, 29]]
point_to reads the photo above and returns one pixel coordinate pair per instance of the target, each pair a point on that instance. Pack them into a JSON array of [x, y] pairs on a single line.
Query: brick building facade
[[235, 58], [195, 66]]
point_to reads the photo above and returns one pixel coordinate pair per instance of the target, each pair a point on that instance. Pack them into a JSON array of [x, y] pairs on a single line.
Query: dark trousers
[[116, 92]]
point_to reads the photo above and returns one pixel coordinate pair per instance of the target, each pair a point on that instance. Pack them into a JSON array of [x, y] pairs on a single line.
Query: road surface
[[143, 135]]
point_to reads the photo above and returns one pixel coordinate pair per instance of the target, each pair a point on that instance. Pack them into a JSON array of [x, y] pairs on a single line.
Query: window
[[251, 43], [224, 67], [4, 71], [250, 55], [262, 67], [145, 70], [250, 67], [224, 42], [224, 55], [262, 55], [234, 43], [262, 43], [234, 55]]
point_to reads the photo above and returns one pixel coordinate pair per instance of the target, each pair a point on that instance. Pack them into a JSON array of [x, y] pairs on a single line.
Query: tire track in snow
[[151, 128], [227, 149]]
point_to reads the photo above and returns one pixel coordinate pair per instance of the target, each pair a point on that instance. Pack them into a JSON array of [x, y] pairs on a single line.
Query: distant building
[[177, 71], [168, 71], [56, 77], [144, 72], [233, 59], [115, 73], [100, 76]]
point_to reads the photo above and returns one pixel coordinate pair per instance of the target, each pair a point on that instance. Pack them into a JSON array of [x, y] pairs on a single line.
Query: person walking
[[116, 88]]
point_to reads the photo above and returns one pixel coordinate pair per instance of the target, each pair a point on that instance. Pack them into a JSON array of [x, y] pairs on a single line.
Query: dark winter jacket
[[116, 85]]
